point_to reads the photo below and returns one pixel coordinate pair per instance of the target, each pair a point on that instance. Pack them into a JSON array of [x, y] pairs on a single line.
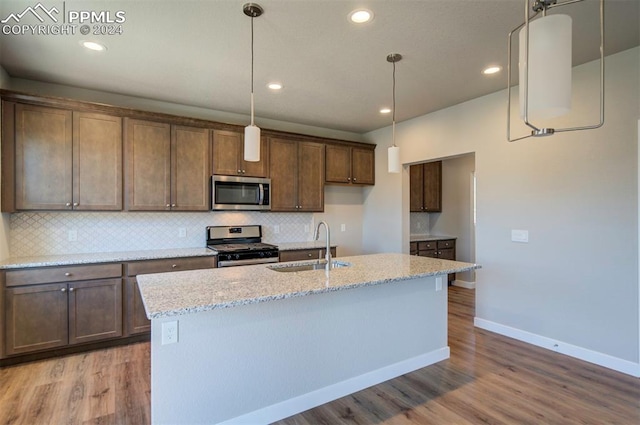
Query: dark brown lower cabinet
[[41, 317], [305, 254], [438, 248], [137, 321]]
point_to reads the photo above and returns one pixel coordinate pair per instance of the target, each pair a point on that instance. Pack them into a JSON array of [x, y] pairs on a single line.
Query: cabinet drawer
[[448, 243], [430, 253], [62, 274], [447, 254], [304, 254], [170, 265], [425, 245]]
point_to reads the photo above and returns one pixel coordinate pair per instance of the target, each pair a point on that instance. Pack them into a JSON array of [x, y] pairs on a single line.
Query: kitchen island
[[255, 344]]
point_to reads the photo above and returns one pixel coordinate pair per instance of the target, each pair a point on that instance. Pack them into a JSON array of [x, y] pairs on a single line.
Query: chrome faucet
[[316, 235]]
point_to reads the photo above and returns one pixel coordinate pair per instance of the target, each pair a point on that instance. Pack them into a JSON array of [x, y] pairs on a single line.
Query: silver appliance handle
[[247, 262], [261, 194]]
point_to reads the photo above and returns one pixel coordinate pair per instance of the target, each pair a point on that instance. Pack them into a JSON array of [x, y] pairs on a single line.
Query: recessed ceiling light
[[92, 45], [274, 86], [360, 16], [385, 110], [492, 70]]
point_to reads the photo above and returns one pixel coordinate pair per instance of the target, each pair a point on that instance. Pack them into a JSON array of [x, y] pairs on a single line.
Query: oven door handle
[[247, 262], [260, 194]]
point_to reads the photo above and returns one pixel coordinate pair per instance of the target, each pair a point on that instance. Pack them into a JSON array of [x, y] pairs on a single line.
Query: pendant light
[[394, 151], [252, 131], [545, 67]]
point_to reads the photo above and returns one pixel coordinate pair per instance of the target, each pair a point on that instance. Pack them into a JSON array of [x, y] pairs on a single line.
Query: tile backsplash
[[55, 233], [419, 223]]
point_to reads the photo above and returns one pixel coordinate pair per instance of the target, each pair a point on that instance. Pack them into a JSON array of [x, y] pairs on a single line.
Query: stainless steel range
[[240, 245]]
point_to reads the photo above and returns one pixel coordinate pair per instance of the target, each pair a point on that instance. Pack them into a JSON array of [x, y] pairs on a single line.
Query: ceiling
[[335, 73]]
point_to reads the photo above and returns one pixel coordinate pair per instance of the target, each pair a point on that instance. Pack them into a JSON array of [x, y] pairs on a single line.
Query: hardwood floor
[[489, 379]]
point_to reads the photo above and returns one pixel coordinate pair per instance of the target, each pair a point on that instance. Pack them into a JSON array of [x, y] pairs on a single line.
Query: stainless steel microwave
[[240, 193]]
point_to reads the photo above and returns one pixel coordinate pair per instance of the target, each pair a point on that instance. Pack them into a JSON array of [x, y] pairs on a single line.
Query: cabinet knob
[[173, 266], [239, 171], [310, 255], [348, 179], [68, 204], [75, 204], [244, 172], [70, 289], [354, 179], [63, 290], [67, 274], [168, 205], [173, 205]]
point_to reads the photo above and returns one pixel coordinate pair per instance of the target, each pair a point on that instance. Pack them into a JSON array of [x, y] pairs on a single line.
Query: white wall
[[575, 284], [343, 205]]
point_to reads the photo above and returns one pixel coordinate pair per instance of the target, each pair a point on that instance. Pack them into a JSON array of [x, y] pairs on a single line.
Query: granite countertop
[[292, 246], [420, 238], [102, 257], [177, 293]]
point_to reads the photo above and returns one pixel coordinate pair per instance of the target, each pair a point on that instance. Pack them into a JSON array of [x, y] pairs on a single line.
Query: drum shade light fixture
[[252, 131], [545, 67], [394, 151]]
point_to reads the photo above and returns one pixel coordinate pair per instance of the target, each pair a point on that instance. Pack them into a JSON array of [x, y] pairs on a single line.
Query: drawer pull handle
[[70, 289], [310, 255], [67, 274], [173, 266], [63, 290]]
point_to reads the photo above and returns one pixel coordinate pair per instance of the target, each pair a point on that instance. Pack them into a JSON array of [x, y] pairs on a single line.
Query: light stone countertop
[[416, 237], [102, 257], [177, 293]]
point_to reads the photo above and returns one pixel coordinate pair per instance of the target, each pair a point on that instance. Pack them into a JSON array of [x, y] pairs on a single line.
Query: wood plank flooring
[[489, 379]]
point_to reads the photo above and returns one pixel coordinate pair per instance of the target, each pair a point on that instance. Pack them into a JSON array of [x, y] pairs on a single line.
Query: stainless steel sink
[[316, 265]]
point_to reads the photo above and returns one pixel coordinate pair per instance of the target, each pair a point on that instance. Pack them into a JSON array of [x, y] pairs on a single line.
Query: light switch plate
[[520, 235]]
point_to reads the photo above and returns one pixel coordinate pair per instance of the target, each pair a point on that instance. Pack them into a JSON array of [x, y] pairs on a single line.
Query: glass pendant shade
[[549, 67], [252, 143], [394, 159]]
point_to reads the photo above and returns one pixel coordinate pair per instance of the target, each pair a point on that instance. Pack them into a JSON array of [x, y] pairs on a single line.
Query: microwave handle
[[260, 194]]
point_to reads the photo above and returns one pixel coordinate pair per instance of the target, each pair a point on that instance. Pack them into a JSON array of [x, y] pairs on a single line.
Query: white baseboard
[[464, 284], [324, 395], [605, 360]]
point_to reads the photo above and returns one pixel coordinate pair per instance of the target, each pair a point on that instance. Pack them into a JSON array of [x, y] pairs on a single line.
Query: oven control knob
[[262, 254], [237, 256]]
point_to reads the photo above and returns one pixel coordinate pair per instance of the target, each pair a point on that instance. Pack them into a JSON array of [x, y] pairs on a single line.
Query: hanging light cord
[[393, 110], [252, 70]]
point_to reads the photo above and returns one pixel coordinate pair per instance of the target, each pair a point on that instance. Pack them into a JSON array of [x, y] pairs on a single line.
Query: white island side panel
[[258, 363]]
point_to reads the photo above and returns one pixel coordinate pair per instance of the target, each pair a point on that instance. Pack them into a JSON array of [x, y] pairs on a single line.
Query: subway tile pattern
[[57, 233]]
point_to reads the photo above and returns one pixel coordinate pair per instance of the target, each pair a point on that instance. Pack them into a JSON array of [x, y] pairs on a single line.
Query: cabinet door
[[190, 169], [259, 168], [310, 176], [97, 162], [136, 317], [148, 163], [95, 310], [283, 163], [43, 153], [227, 146], [362, 166], [416, 188], [36, 318], [432, 186], [337, 164]]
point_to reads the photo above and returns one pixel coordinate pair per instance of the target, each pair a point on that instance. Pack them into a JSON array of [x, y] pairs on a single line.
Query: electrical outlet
[[170, 332], [276, 229], [182, 232], [343, 227], [438, 283], [73, 235], [520, 236]]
